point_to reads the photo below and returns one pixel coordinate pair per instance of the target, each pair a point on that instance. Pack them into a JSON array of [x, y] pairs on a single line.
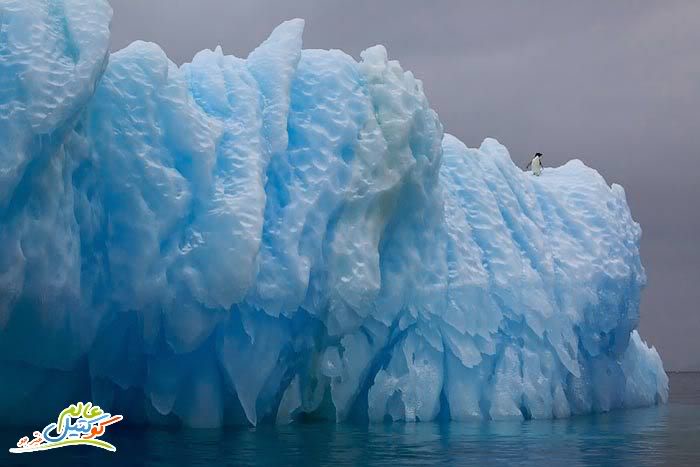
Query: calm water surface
[[668, 435]]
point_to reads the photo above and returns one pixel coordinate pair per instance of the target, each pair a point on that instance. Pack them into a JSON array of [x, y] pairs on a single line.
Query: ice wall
[[237, 241]]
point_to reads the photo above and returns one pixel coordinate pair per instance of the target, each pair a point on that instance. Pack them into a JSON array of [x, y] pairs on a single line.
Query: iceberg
[[287, 236]]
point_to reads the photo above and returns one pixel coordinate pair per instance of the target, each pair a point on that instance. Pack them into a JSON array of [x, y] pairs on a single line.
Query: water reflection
[[665, 435]]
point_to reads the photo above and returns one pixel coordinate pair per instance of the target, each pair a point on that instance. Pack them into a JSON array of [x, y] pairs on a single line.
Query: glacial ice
[[290, 235]]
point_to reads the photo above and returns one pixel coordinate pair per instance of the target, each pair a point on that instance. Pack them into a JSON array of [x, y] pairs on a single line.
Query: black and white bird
[[536, 164]]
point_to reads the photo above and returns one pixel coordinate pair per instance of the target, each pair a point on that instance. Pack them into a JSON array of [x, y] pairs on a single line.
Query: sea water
[[666, 435]]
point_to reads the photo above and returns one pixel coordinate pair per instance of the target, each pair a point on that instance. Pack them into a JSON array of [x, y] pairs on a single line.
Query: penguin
[[536, 164]]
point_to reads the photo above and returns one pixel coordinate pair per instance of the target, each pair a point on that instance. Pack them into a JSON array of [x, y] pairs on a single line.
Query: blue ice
[[238, 241]]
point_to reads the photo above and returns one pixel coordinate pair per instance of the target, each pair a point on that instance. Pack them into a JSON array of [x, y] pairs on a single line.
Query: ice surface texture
[[290, 235]]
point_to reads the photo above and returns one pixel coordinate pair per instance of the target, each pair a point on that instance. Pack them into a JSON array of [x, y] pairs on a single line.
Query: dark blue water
[[667, 435]]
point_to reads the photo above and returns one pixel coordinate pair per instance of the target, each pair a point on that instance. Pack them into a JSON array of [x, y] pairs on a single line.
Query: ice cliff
[[290, 235]]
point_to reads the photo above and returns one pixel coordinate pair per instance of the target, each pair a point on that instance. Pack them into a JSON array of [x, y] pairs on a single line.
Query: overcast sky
[[616, 84]]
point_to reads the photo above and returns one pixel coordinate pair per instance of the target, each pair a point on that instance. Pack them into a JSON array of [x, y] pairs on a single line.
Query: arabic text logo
[[77, 424]]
